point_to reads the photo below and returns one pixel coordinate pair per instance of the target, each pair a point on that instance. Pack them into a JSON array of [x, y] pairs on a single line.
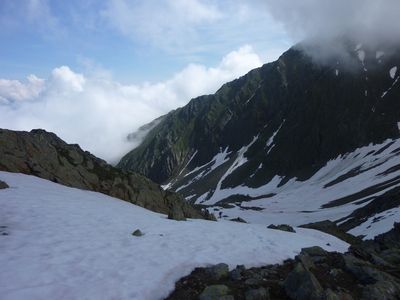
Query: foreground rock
[[3, 185], [43, 154], [370, 270], [283, 227]]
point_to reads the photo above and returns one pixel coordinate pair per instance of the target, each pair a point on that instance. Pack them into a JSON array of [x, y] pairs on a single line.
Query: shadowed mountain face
[[43, 154], [279, 126]]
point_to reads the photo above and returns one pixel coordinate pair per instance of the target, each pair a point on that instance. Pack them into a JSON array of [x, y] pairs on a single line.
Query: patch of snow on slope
[[167, 186], [66, 243], [218, 160], [378, 224], [252, 96], [393, 72], [379, 54], [271, 139], [239, 161], [171, 183], [358, 47], [389, 89], [361, 55], [337, 72], [190, 159]]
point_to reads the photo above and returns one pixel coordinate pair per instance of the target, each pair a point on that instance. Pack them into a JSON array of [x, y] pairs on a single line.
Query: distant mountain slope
[[276, 129], [43, 154]]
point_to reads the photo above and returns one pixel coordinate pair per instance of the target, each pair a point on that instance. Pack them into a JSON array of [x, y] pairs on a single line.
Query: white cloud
[[98, 112], [168, 23], [373, 23], [65, 79], [196, 27], [14, 90]]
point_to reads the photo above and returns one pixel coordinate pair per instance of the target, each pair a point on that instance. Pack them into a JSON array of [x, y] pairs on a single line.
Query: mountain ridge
[[287, 123], [45, 155]]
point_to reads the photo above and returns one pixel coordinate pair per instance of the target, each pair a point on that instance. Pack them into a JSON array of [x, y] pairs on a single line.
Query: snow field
[[66, 243]]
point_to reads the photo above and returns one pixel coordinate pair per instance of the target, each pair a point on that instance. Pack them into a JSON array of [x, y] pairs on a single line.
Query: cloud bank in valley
[[98, 113]]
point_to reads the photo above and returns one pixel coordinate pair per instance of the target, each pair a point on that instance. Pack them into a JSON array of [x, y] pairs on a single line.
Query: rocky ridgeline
[[369, 270], [43, 154]]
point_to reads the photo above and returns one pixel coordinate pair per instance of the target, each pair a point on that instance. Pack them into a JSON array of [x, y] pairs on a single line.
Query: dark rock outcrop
[[372, 273], [283, 227], [216, 292], [3, 185], [43, 154], [332, 229]]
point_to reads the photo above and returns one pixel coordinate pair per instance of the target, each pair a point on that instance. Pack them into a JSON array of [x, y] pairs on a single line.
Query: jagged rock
[[314, 251], [235, 275], [306, 261], [387, 290], [215, 292], [314, 274], [302, 285], [332, 229], [238, 219], [176, 213], [257, 294], [378, 282], [43, 154], [218, 271], [3, 185], [331, 295], [254, 281], [283, 227], [137, 232]]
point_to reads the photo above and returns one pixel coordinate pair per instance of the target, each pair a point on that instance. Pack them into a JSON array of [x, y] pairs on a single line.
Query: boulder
[[301, 284], [215, 292], [218, 271], [283, 227], [176, 213], [339, 295], [3, 185], [238, 219], [237, 273], [257, 294], [314, 251], [137, 232]]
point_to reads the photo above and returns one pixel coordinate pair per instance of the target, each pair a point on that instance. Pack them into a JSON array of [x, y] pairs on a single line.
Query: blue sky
[[135, 40], [94, 71]]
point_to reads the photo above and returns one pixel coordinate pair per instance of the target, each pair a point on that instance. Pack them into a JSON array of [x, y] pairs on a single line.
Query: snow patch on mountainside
[[239, 161], [379, 54], [66, 243], [393, 72], [391, 87], [378, 224]]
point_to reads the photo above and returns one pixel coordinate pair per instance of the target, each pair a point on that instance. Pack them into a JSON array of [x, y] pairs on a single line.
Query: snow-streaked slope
[[360, 176], [378, 224], [65, 243]]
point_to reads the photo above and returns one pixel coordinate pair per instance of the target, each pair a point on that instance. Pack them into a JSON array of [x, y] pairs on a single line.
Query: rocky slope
[[293, 137], [43, 154], [369, 270]]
